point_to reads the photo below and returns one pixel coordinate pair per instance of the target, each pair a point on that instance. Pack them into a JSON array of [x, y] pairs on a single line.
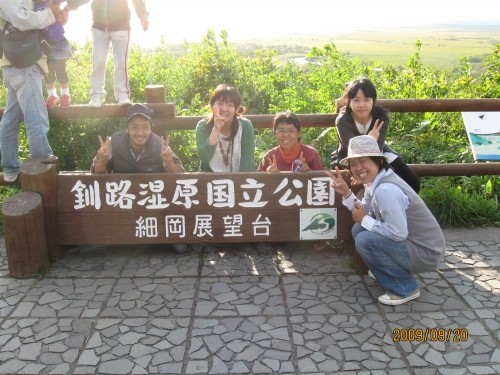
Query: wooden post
[[154, 94], [39, 175], [25, 238]]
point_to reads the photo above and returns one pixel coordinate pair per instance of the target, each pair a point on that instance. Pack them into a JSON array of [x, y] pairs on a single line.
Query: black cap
[[138, 109]]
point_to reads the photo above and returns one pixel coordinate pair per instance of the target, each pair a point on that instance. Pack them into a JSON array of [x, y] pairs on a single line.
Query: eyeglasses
[[289, 132]]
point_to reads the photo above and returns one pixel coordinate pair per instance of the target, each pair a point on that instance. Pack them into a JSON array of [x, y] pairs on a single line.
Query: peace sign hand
[[104, 152], [375, 132], [273, 165], [305, 166], [339, 184], [219, 120], [166, 152]]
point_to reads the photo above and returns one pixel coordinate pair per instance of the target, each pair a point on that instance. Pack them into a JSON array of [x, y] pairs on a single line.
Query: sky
[[189, 20]]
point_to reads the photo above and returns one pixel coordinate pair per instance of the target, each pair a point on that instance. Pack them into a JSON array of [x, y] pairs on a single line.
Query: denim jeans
[[119, 41], [25, 101], [388, 260]]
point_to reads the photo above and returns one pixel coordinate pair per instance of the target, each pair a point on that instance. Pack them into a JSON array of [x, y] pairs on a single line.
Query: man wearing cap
[[136, 149], [395, 233]]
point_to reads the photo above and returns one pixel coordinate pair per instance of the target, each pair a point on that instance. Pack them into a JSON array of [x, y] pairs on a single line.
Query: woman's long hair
[[228, 94], [351, 90]]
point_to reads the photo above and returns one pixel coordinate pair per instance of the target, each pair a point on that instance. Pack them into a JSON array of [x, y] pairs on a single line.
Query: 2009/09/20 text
[[432, 334]]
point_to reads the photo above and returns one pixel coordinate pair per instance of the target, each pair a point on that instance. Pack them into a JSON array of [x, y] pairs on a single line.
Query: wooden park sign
[[80, 208], [198, 208]]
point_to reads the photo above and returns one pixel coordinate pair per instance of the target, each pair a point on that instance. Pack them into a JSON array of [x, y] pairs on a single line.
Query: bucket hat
[[362, 146]]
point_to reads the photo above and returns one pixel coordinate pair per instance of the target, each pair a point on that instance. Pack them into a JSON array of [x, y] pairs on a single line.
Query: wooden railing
[[165, 120], [56, 221]]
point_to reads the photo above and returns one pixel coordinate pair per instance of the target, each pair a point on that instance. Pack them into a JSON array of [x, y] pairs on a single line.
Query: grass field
[[441, 46]]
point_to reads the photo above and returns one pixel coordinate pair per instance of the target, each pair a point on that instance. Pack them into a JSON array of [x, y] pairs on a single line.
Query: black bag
[[21, 48]]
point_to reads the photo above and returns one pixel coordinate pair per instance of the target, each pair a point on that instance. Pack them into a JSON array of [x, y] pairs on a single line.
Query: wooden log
[[25, 238], [258, 121], [154, 94], [81, 111], [440, 105], [457, 169], [39, 175], [162, 109]]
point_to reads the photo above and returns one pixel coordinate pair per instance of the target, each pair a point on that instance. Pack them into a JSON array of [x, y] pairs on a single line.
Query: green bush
[[268, 85], [471, 203]]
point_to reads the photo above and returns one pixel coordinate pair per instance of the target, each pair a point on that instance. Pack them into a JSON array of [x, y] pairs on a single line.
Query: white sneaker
[[371, 275], [124, 102], [96, 102], [10, 177], [393, 300]]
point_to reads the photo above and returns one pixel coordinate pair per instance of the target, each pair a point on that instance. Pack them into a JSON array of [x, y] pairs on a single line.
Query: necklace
[[225, 154]]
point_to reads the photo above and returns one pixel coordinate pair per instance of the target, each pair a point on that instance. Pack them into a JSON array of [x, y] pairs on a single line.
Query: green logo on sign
[[320, 224]]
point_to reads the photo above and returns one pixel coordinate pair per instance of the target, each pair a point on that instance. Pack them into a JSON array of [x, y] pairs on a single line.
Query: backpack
[[21, 48]]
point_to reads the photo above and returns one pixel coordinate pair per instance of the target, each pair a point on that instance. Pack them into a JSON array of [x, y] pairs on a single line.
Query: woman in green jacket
[[225, 140]]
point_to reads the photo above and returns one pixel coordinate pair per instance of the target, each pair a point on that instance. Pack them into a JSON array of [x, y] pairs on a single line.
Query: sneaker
[[96, 102], [124, 102], [393, 300], [52, 101], [65, 101], [10, 177], [180, 248], [371, 275]]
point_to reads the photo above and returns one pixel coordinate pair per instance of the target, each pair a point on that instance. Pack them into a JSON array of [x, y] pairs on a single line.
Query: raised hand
[[305, 166], [375, 132], [104, 152], [63, 17], [219, 120], [273, 165], [166, 152], [54, 8], [338, 183]]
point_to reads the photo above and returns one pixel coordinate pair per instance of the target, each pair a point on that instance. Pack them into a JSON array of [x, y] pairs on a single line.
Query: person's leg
[[11, 122], [50, 82], [406, 173], [36, 119], [389, 262], [120, 41], [356, 229], [100, 50], [62, 77]]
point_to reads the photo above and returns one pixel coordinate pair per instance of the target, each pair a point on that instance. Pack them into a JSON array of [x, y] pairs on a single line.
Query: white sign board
[[318, 223], [483, 130]]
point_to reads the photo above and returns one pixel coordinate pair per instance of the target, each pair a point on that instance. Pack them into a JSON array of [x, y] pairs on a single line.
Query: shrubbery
[[268, 85]]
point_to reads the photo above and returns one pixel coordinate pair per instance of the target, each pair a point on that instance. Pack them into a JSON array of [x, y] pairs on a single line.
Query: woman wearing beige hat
[[395, 233]]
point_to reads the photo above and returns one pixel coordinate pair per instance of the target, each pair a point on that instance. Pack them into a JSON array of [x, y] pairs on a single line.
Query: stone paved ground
[[254, 309]]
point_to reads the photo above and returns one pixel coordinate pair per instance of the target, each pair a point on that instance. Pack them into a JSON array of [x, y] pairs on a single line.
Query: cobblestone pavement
[[253, 309]]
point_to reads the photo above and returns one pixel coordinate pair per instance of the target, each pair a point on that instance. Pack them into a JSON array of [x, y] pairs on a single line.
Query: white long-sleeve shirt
[[390, 202]]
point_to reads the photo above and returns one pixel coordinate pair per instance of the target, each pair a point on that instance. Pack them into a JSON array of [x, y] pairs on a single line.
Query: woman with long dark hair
[[359, 115], [225, 139]]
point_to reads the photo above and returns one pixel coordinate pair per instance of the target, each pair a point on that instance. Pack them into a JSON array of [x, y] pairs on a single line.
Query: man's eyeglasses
[[283, 132]]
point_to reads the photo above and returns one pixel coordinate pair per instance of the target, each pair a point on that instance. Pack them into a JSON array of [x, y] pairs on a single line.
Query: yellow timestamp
[[431, 334]]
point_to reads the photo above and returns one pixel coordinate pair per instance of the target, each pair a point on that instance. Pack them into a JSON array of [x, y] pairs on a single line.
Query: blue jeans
[[388, 260], [25, 101]]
